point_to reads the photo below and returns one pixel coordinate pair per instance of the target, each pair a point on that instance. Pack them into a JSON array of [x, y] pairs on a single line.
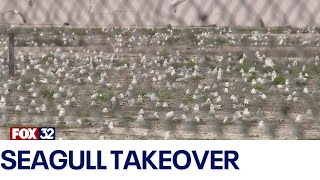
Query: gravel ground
[[98, 67]]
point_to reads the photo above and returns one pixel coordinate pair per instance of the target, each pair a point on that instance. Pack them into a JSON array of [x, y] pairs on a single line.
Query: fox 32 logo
[[32, 133]]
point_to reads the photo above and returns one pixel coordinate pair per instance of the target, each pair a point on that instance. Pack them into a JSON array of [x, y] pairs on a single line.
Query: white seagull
[[17, 13], [174, 4]]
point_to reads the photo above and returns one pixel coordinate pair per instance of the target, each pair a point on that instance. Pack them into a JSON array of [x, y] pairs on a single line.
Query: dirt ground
[[112, 57]]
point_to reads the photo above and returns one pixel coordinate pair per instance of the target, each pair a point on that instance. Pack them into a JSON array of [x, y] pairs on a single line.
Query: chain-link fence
[[161, 69]]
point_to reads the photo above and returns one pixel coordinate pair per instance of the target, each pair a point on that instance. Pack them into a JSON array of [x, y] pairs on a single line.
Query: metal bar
[[11, 54]]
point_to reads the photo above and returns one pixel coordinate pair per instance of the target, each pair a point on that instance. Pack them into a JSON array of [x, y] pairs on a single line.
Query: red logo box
[[24, 133]]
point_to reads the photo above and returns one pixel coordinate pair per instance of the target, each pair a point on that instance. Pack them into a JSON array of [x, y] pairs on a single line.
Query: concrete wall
[[157, 12]]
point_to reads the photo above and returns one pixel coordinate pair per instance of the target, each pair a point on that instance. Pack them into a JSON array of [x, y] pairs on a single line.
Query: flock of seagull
[[163, 89]]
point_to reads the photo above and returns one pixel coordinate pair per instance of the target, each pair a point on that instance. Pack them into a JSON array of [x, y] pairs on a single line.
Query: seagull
[[168, 123], [167, 135], [17, 13], [18, 108], [246, 113], [105, 128], [298, 119], [140, 119], [169, 115], [141, 112], [261, 125], [212, 111], [175, 3], [309, 114], [196, 109]]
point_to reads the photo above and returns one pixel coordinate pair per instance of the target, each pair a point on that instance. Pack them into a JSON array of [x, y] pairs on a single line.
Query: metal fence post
[[11, 54]]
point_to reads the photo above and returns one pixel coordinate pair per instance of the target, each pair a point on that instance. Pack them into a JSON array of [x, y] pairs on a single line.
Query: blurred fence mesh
[[162, 69]]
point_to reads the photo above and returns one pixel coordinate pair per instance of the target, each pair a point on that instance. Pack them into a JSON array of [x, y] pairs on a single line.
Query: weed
[[47, 94], [258, 87], [190, 99], [253, 76], [25, 83], [208, 63], [21, 43], [129, 118], [169, 95], [217, 41], [246, 65], [87, 122], [120, 62], [105, 96], [301, 83], [191, 37], [62, 125], [267, 69], [146, 31], [197, 78], [46, 58], [225, 77], [141, 91], [279, 80], [176, 65], [171, 78], [172, 40], [64, 94], [190, 64], [307, 72], [316, 69]]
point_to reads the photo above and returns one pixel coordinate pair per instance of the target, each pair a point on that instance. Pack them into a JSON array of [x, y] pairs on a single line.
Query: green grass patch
[[21, 43], [176, 65], [172, 78], [27, 80], [315, 69], [253, 76], [258, 87], [225, 77], [140, 91], [25, 83], [279, 80], [190, 36], [190, 63], [47, 94], [216, 41], [190, 99], [146, 31], [307, 72], [128, 117], [198, 78], [267, 69], [172, 40], [169, 95], [46, 58], [64, 94], [105, 96], [87, 122], [120, 62], [246, 65], [62, 125], [208, 63]]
